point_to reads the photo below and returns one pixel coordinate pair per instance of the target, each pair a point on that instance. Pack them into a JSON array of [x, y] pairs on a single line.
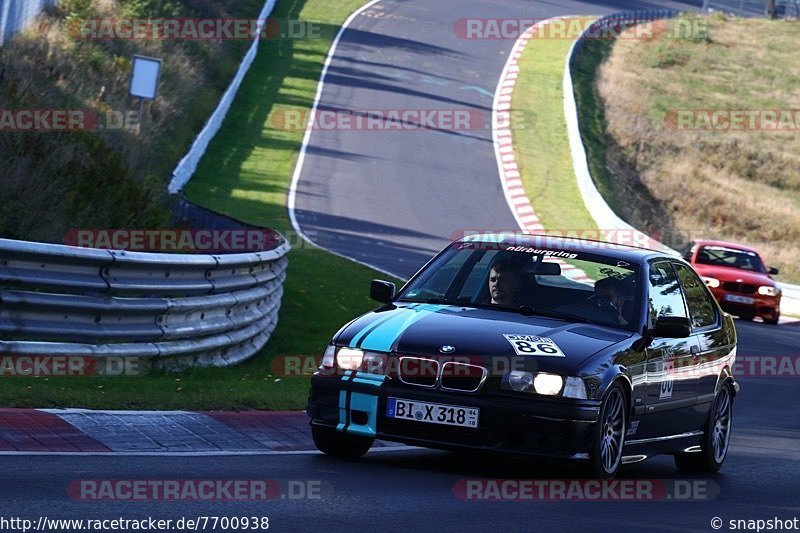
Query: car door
[[671, 383], [714, 344]]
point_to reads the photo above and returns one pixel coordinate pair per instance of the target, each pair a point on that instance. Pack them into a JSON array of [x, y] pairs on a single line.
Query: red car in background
[[738, 278]]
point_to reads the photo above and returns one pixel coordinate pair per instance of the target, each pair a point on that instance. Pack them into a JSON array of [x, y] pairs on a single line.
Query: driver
[[505, 280], [611, 295]]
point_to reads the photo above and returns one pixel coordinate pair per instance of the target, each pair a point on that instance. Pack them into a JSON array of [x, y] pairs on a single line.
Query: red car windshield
[[730, 257]]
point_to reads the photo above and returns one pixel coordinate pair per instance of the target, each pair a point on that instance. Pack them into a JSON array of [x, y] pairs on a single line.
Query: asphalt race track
[[392, 200], [413, 489]]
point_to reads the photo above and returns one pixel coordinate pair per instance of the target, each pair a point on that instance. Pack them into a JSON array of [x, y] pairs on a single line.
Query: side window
[[664, 292], [702, 310]]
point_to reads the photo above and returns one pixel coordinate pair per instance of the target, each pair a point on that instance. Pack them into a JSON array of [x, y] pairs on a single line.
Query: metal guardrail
[[176, 310], [16, 15]]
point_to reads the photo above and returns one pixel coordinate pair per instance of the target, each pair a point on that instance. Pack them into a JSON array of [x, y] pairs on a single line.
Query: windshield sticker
[[533, 345], [539, 251]]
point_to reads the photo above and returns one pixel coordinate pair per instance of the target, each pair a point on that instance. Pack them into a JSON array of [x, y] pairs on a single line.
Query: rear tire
[[716, 438], [608, 440], [339, 444]]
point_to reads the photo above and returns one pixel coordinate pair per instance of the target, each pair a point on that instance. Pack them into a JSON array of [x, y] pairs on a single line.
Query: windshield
[[581, 287], [730, 257]]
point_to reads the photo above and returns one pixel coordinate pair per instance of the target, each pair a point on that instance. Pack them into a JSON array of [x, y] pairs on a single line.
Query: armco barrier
[[601, 212], [15, 15], [174, 309], [188, 165]]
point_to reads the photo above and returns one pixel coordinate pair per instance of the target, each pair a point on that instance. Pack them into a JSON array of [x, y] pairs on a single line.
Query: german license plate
[[739, 299], [432, 413]]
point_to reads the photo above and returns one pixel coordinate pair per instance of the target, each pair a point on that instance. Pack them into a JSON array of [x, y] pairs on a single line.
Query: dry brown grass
[[737, 185]]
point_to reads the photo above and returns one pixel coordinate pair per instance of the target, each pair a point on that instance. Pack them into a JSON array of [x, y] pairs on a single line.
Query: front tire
[[776, 316], [716, 437], [339, 444], [605, 456]]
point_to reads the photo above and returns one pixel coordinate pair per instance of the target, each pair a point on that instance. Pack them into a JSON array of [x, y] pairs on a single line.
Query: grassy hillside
[[53, 181]]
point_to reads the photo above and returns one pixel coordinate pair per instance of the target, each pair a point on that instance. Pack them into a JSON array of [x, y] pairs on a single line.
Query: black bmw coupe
[[536, 345]]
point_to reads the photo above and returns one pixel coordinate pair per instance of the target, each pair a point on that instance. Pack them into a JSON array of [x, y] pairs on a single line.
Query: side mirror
[[672, 327], [774, 271], [381, 291]]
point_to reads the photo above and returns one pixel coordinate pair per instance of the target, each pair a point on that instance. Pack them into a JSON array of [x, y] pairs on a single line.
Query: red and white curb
[[169, 433], [510, 177]]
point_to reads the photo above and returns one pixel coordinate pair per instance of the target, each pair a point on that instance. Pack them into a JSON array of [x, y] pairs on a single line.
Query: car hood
[[733, 274], [423, 329]]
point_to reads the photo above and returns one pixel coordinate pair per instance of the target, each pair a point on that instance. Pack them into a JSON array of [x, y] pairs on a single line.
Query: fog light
[[548, 384]]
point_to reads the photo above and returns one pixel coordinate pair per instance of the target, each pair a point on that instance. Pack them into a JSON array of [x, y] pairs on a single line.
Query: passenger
[[505, 280]]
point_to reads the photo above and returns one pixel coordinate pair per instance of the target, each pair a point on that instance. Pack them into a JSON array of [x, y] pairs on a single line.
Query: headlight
[[574, 388], [766, 290], [349, 358], [711, 282], [329, 358], [548, 384], [544, 383], [374, 363], [520, 381]]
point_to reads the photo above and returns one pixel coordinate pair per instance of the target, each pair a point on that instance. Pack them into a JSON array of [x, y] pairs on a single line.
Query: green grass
[[542, 149], [246, 174]]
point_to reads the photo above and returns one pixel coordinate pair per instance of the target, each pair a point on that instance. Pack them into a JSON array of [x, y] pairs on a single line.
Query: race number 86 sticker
[[533, 345]]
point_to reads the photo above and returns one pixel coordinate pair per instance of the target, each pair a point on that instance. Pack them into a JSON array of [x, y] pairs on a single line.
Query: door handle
[[694, 350]]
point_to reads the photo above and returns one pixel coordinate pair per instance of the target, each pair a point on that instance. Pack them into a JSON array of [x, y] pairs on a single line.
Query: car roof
[[724, 244], [622, 252]]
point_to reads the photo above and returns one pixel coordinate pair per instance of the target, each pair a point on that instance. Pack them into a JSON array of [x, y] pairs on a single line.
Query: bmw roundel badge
[[447, 349]]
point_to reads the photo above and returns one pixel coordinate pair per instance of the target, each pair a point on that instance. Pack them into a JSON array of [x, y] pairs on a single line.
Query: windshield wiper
[[442, 301]]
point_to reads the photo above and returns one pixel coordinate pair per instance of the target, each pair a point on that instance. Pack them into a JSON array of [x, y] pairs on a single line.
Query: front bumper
[[518, 423], [763, 306]]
